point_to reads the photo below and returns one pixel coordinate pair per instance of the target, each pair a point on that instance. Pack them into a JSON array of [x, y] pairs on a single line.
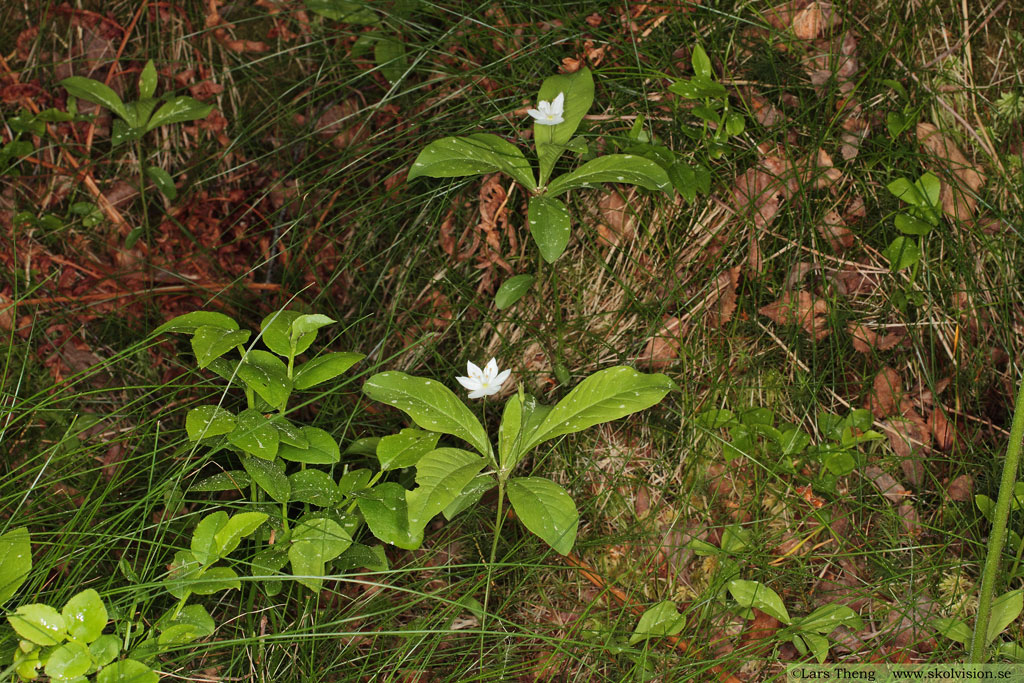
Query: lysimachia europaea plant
[[451, 479], [565, 100], [918, 219], [266, 440], [65, 645]]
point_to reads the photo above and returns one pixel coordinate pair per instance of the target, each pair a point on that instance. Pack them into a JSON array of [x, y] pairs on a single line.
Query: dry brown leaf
[[833, 228], [942, 430], [911, 519], [339, 124], [866, 340], [960, 179], [886, 393], [961, 488], [720, 304], [617, 218], [856, 279], [663, 348], [813, 20], [909, 439], [886, 484], [220, 31], [800, 308]]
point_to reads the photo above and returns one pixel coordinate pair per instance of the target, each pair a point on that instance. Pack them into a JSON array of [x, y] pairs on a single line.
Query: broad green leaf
[[255, 434], [353, 481], [701, 63], [929, 187], [577, 90], [325, 367], [546, 510], [430, 404], [163, 181], [38, 623], [684, 179], [85, 616], [613, 168], [909, 225], [386, 515], [15, 561], [405, 448], [276, 331], [512, 290], [519, 423], [93, 91], [828, 617], [698, 88], [190, 623], [177, 110], [267, 375], [359, 556], [215, 580], [208, 421], [105, 649], [138, 113], [347, 11], [757, 416], [734, 124], [204, 544], [549, 225], [289, 433], [127, 671], [473, 155], [316, 542], [817, 644], [1005, 609], [240, 525], [839, 462], [322, 449], [209, 342], [604, 396], [907, 191], [474, 491], [184, 570], [754, 594], [736, 539], [147, 81], [715, 418], [232, 480], [269, 476], [389, 53], [902, 252], [954, 629], [190, 322], [315, 487], [68, 661], [441, 476], [304, 329], [365, 446], [794, 440], [986, 506], [661, 620]]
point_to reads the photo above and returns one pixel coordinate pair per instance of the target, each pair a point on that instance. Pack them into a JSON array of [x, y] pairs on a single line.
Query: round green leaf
[[105, 649], [85, 616], [267, 375], [315, 487], [163, 181], [269, 476], [127, 671], [68, 661], [405, 448], [210, 343], [661, 620], [902, 252], [545, 509], [208, 421], [255, 435], [38, 623]]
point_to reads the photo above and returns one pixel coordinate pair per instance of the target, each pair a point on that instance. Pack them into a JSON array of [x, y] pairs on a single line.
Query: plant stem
[[998, 537], [561, 373], [490, 565]]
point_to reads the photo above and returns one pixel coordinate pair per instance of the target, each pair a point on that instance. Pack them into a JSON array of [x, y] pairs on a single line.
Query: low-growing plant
[[918, 219]]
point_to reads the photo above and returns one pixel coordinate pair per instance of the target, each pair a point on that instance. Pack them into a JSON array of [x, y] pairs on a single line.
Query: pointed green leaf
[[85, 616], [177, 110], [163, 181], [231, 480], [818, 646], [314, 543], [473, 155], [700, 62], [430, 404], [315, 487], [512, 290], [208, 421], [93, 91], [387, 516], [322, 449], [190, 623], [215, 580], [147, 81], [577, 90], [127, 671], [549, 225], [441, 476], [240, 525], [346, 11], [474, 491], [389, 54], [828, 617], [405, 448], [204, 544], [519, 423], [269, 476], [902, 252], [255, 434], [604, 396], [38, 623], [267, 375], [304, 328], [15, 561], [613, 168], [909, 225], [276, 331], [754, 594], [658, 621], [325, 367], [954, 629], [546, 510], [288, 432], [1005, 609], [209, 342]]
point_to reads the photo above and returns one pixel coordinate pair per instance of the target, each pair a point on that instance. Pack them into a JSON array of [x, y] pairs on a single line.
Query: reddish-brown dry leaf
[[220, 31], [720, 305], [909, 439], [617, 218], [341, 126], [759, 636], [890, 489], [801, 308], [911, 519], [886, 393], [833, 228], [856, 279], [866, 340], [663, 348], [961, 488], [942, 430], [960, 179], [813, 20]]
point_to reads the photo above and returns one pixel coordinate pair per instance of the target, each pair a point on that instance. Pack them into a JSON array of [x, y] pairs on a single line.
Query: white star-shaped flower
[[484, 382], [549, 113]]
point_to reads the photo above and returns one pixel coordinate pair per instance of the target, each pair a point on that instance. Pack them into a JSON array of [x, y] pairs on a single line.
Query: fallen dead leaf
[[890, 489], [886, 392], [866, 340], [960, 179], [663, 348], [833, 228], [911, 519], [617, 217], [961, 488], [801, 308], [942, 430], [813, 20]]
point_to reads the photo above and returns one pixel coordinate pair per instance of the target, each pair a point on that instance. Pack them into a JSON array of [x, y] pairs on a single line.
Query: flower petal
[[473, 370], [468, 382], [500, 379], [491, 370], [479, 393], [558, 105]]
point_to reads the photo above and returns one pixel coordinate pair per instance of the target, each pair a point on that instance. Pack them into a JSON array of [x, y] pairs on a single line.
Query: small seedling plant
[[66, 645], [266, 441], [136, 119], [563, 102], [917, 220]]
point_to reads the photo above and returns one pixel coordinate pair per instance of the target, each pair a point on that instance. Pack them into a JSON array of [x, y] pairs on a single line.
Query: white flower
[[549, 113], [484, 382]]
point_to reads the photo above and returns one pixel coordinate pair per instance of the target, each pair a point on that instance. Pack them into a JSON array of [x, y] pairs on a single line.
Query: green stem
[[998, 537], [561, 372], [490, 565]]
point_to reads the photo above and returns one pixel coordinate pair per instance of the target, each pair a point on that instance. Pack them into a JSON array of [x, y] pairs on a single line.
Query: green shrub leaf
[[210, 343], [551, 141], [255, 434], [473, 155], [512, 290], [325, 367], [15, 561], [613, 168], [405, 448], [93, 91], [658, 621], [85, 616], [208, 421], [322, 448], [177, 110], [549, 225], [269, 476], [546, 510], [38, 623]]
